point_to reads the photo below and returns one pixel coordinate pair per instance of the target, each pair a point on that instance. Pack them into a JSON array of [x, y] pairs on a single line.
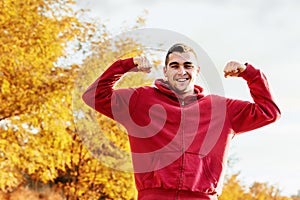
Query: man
[[178, 136]]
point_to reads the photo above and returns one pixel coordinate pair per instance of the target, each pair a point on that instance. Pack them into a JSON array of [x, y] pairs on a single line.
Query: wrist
[[135, 61]]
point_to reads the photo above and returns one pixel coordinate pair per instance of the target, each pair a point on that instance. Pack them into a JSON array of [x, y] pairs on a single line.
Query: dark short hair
[[180, 48]]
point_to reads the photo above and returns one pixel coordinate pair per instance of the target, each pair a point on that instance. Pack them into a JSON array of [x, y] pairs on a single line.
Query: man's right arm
[[101, 96]]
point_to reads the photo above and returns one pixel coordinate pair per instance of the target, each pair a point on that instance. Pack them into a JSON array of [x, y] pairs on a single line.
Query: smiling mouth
[[182, 79]]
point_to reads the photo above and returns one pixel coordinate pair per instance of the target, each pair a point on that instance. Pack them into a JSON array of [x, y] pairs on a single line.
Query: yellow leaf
[[5, 87]]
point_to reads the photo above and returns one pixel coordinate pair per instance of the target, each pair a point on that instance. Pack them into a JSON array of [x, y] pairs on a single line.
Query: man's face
[[181, 72]]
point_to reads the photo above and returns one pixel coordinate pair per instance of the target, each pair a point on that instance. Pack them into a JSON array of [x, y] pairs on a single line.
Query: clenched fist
[[142, 64], [233, 68]]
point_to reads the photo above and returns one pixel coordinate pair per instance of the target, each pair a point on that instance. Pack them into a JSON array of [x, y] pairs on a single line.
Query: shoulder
[[145, 90], [215, 97]]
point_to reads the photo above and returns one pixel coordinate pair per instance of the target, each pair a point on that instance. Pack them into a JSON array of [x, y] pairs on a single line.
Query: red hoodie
[[179, 146]]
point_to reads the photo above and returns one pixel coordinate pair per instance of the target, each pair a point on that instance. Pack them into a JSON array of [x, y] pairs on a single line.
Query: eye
[[174, 66], [188, 66]]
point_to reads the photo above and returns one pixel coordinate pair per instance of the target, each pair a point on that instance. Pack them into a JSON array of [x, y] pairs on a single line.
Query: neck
[[183, 95]]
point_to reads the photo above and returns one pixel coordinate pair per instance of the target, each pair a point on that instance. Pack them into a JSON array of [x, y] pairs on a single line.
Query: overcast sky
[[263, 33]]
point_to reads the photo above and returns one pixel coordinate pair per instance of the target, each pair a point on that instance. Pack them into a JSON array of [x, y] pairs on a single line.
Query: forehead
[[182, 57]]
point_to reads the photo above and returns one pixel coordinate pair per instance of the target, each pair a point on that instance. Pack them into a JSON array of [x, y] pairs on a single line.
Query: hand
[[233, 68], [142, 64]]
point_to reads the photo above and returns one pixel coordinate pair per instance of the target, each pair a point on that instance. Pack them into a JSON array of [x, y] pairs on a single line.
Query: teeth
[[182, 79]]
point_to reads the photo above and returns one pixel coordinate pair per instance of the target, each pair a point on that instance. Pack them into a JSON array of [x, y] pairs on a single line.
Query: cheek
[[168, 73]]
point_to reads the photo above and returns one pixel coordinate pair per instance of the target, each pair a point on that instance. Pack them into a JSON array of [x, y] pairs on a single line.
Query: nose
[[181, 70]]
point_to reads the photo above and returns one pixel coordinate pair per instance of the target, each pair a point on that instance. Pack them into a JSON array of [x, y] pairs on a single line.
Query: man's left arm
[[244, 115]]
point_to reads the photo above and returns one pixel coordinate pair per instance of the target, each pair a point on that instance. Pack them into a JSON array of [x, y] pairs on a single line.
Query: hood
[[164, 87]]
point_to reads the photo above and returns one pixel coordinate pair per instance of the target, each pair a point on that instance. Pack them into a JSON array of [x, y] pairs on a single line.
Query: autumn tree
[[33, 35], [266, 191], [235, 190], [39, 142]]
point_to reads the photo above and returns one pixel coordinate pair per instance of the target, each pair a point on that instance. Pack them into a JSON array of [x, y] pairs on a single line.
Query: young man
[[178, 136]]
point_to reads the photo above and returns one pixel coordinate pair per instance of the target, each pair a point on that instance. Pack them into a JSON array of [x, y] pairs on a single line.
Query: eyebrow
[[176, 63]]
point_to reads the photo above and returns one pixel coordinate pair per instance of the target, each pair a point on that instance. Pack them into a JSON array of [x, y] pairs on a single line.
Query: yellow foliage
[[33, 36], [39, 141], [234, 190]]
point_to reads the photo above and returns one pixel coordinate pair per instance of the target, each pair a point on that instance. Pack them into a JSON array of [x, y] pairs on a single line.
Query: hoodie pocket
[[197, 174], [164, 172]]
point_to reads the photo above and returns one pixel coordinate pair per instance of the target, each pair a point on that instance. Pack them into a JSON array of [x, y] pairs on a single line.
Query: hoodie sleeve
[[101, 96], [246, 116]]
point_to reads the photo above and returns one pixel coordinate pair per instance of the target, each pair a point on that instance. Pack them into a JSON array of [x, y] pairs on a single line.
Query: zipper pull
[[182, 103]]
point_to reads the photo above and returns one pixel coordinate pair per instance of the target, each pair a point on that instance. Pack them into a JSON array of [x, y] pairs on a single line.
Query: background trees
[[34, 34], [234, 189], [40, 144]]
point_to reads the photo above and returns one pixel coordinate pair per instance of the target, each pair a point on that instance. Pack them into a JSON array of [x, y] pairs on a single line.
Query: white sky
[[263, 33]]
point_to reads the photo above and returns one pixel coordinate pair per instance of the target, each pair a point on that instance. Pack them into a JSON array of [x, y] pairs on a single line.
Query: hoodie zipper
[[182, 151]]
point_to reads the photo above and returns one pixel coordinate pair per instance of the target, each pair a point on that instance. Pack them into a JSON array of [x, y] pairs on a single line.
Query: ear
[[165, 70], [198, 70]]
